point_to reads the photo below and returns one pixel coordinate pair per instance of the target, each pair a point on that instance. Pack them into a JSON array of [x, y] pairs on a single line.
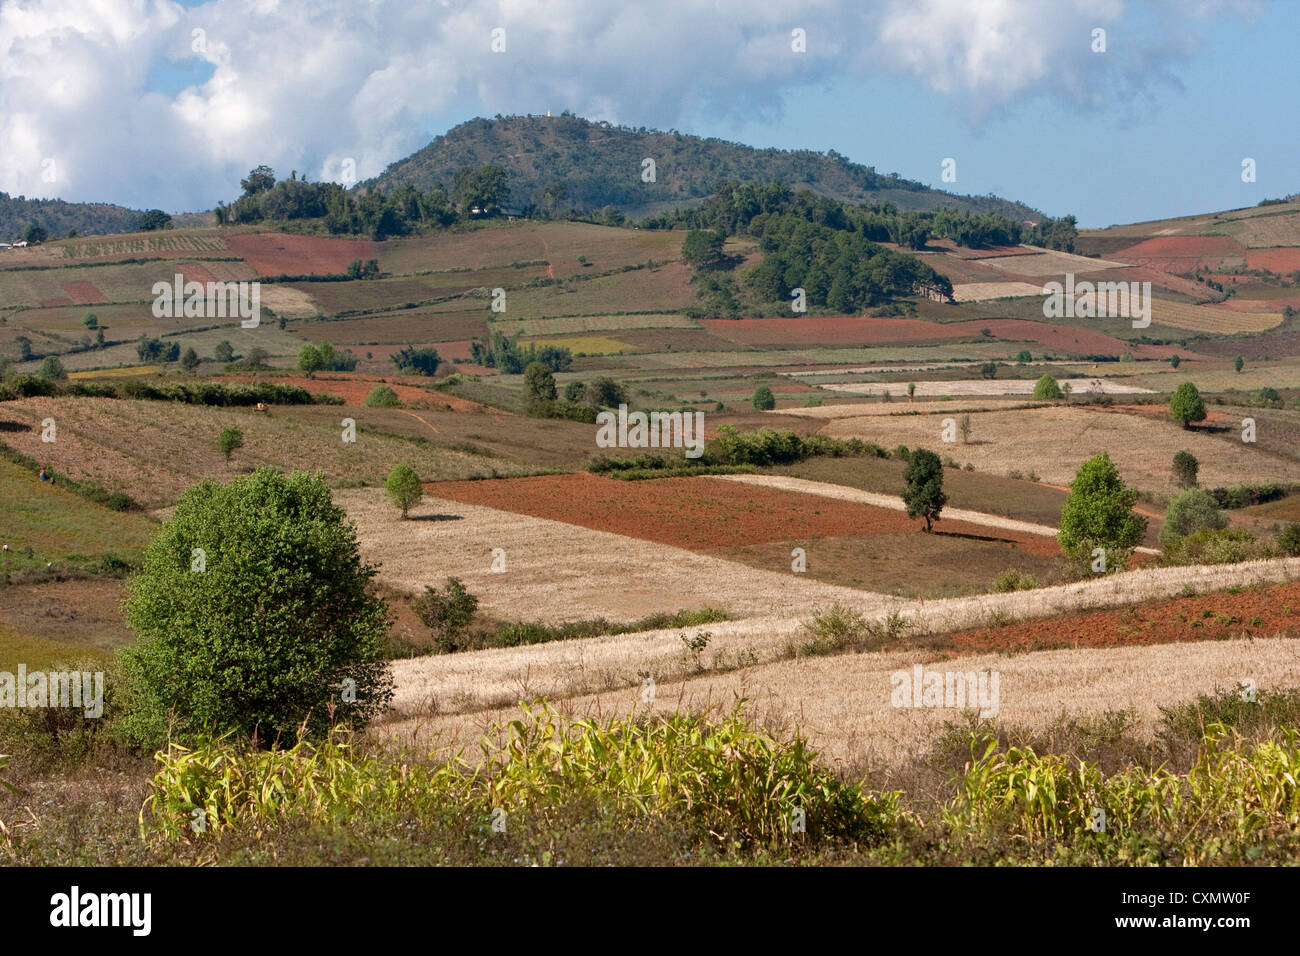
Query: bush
[[1190, 512], [1185, 468], [1047, 388], [413, 361], [381, 396], [273, 631], [447, 613], [539, 383], [229, 439], [1012, 579], [1288, 539], [403, 487], [1215, 546], [604, 392], [51, 369], [763, 399]]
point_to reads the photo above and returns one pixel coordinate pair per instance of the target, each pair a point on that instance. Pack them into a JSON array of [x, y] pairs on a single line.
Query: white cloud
[[306, 84]]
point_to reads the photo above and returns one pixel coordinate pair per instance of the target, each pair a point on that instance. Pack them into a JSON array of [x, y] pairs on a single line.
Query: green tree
[[1175, 361], [404, 488], [1185, 406], [34, 235], [1190, 512], [229, 439], [152, 220], [911, 391], [1046, 387], [310, 360], [763, 399], [479, 191], [253, 613], [963, 426], [91, 321], [260, 180], [413, 361], [1238, 363], [1185, 468], [381, 396], [51, 369], [1024, 357], [190, 360], [1098, 512], [702, 248], [574, 391], [923, 492], [539, 383], [224, 352], [989, 370], [604, 392]]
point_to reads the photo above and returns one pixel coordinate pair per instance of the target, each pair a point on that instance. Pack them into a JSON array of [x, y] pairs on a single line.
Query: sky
[[155, 103]]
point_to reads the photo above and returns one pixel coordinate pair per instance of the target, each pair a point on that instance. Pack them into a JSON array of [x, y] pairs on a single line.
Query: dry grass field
[[982, 387], [1053, 441]]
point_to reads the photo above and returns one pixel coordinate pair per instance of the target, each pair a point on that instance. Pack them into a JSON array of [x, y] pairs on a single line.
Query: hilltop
[[599, 165], [58, 218]]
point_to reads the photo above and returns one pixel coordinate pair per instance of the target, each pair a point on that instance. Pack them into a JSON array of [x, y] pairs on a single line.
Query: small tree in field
[[911, 391], [1238, 363], [1185, 468], [763, 399], [403, 487], [1186, 406], [1098, 513], [924, 491], [253, 613], [229, 439], [539, 383], [381, 396], [1046, 387], [190, 360], [963, 426], [1175, 361], [1190, 512]]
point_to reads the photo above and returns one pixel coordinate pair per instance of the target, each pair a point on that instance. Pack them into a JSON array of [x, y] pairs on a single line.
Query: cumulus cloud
[[315, 84]]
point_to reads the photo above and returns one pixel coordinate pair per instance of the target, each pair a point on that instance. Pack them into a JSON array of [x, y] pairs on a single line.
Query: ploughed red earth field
[[83, 293], [701, 512], [863, 330], [273, 254], [1253, 612], [1281, 261]]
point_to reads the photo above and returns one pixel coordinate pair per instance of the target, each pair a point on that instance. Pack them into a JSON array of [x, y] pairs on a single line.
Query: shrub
[[1215, 546], [574, 391], [1047, 388], [1185, 468], [539, 383], [1023, 357], [1190, 512], [381, 396], [763, 399], [273, 631], [51, 369], [230, 439], [403, 487], [1288, 539], [447, 613], [413, 361], [604, 392], [1012, 579]]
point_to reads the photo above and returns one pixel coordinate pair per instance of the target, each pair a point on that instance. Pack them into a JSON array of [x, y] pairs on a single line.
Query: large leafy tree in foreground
[[1099, 513], [254, 614]]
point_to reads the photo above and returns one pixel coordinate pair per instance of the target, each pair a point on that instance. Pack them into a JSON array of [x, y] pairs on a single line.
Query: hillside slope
[[58, 217], [599, 165]]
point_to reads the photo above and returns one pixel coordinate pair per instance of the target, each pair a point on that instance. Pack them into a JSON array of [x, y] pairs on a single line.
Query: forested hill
[[564, 162], [58, 218]]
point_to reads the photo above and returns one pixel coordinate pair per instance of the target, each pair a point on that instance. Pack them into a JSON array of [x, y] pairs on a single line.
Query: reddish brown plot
[[273, 254], [83, 293], [1260, 612], [353, 388], [1282, 261], [701, 513]]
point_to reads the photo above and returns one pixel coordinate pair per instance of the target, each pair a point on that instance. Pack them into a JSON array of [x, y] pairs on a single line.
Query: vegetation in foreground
[[1217, 785]]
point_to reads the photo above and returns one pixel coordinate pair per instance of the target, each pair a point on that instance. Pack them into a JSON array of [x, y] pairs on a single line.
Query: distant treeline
[[743, 208], [219, 394]]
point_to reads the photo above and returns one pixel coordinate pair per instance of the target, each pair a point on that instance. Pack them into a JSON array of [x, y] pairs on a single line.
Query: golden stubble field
[[1053, 441]]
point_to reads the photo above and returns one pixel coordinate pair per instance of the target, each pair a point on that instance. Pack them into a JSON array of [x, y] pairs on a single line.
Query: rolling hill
[[58, 218], [599, 164]]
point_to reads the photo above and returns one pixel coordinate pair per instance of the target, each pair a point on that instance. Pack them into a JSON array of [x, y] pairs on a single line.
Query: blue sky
[[158, 103]]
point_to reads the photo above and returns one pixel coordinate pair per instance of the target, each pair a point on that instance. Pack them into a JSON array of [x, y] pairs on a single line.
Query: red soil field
[[83, 293], [273, 254], [1183, 247], [194, 272], [1158, 277], [1281, 261], [855, 330], [702, 513], [1261, 612]]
